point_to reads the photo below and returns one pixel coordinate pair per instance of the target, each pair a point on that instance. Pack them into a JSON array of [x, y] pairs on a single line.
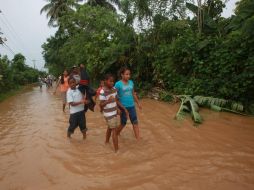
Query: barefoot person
[[109, 103], [76, 101], [63, 81], [127, 97]]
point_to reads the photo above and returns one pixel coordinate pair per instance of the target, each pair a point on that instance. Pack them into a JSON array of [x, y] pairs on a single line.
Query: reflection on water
[[35, 153]]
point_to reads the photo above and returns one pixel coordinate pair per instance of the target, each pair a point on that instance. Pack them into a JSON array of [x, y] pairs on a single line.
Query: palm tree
[[109, 4], [57, 8]]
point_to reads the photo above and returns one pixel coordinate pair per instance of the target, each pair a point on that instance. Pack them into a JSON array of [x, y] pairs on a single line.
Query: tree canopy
[[204, 54]]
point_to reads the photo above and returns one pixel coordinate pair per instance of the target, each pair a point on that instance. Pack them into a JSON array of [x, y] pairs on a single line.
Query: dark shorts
[[132, 115], [77, 120]]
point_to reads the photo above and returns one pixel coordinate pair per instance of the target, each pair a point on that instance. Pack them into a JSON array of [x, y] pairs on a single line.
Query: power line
[[10, 31], [8, 48], [13, 32], [15, 35]]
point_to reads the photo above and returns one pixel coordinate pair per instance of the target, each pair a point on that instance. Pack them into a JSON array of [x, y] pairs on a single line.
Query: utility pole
[[1, 40], [34, 62]]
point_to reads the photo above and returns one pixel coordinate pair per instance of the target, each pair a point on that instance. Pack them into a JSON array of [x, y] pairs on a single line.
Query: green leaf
[[216, 108]]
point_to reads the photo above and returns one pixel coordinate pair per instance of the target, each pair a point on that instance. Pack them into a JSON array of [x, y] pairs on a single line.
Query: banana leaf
[[216, 108], [237, 107], [180, 114], [232, 111], [194, 110], [188, 105], [211, 102]]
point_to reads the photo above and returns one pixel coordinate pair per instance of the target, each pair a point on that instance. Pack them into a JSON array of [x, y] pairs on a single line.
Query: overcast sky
[[26, 30]]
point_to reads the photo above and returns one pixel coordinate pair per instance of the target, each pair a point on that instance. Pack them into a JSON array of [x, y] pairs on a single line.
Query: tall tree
[[109, 4], [57, 8]]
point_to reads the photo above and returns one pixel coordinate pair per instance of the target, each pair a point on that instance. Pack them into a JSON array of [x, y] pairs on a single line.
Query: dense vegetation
[[15, 73], [204, 54]]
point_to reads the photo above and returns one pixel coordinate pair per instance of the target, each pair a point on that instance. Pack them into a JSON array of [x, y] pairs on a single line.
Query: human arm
[[57, 84], [104, 102], [71, 101], [122, 107], [136, 99], [134, 94], [84, 101]]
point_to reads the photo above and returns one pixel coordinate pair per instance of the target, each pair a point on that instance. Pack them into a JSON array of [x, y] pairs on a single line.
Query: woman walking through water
[[63, 81], [128, 97]]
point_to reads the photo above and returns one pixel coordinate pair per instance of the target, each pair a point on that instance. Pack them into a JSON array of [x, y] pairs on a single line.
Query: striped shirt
[[110, 110]]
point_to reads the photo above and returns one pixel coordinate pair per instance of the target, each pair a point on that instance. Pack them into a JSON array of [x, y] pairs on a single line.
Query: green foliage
[[15, 73], [165, 96], [214, 103], [191, 105], [169, 52], [55, 9], [188, 105]]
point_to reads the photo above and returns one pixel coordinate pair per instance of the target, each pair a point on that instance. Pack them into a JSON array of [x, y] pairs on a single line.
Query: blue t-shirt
[[125, 93]]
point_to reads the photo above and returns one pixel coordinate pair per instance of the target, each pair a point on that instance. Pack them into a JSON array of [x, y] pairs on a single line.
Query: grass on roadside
[[13, 92]]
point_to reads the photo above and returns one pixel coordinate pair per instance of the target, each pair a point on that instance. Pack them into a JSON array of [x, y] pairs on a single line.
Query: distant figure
[[77, 116], [48, 81], [40, 81], [128, 97], [63, 81], [109, 103]]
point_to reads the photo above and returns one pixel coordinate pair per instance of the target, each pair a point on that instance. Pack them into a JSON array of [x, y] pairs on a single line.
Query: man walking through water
[[84, 87]]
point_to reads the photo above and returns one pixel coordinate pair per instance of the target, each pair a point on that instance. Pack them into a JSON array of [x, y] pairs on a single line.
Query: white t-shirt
[[110, 110], [75, 96]]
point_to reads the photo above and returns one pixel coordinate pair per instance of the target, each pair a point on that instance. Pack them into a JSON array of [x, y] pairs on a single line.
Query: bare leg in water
[[120, 128], [84, 134], [135, 129], [64, 107], [108, 134], [115, 139]]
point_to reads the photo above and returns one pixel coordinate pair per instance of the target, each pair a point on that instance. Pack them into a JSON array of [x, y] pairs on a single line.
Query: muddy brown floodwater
[[35, 153]]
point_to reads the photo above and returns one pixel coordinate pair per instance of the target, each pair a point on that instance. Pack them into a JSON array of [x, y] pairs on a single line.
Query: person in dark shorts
[[128, 97], [76, 101]]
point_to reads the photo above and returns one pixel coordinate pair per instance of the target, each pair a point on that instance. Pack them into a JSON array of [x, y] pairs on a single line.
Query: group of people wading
[[115, 99]]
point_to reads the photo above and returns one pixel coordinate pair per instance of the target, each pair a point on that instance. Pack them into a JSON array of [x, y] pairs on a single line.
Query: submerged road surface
[[35, 153]]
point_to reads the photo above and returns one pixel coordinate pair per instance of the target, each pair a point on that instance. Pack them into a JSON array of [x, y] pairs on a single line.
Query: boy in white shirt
[[77, 115]]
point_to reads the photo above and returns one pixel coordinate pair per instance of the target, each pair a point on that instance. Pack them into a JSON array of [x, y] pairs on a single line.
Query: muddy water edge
[[35, 153]]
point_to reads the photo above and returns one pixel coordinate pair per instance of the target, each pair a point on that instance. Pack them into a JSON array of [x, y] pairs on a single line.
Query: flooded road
[[35, 153]]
